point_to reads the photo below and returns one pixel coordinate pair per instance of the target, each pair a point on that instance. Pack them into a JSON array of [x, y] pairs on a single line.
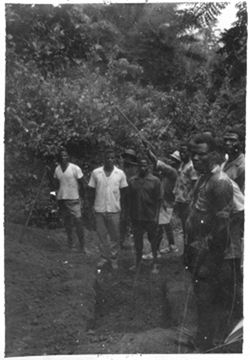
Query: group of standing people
[[203, 182]]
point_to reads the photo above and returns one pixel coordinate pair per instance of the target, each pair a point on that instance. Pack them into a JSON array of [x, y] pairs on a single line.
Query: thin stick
[[32, 207], [134, 127]]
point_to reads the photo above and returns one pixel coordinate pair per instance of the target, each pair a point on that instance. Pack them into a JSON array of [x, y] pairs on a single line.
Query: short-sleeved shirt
[[107, 196], [144, 197], [238, 199], [185, 182], [235, 169], [68, 182]]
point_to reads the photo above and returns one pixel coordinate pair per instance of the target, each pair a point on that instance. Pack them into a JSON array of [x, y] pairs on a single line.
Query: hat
[[176, 155], [130, 153]]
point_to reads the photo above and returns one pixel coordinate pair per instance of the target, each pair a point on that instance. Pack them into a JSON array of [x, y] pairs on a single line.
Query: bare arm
[[91, 195], [82, 186]]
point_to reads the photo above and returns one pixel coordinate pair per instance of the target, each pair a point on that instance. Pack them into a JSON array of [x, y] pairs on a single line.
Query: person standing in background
[[69, 181], [130, 167], [167, 175], [186, 179], [234, 167], [107, 186], [144, 201]]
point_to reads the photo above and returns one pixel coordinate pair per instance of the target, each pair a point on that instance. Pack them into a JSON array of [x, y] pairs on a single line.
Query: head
[[129, 158], [204, 153], [184, 152], [233, 141], [109, 159], [63, 157], [175, 159], [129, 154], [143, 167]]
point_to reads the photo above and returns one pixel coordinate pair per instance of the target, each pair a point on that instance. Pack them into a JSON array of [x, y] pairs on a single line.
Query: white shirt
[[107, 196], [68, 182], [238, 199]]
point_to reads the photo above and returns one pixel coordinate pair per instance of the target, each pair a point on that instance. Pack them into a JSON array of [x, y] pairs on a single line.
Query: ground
[[58, 303]]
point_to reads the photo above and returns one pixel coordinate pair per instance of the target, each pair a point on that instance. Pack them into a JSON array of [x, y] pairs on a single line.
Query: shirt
[[235, 169], [168, 178], [144, 197], [212, 192], [238, 198], [185, 182], [107, 196], [68, 182], [211, 205]]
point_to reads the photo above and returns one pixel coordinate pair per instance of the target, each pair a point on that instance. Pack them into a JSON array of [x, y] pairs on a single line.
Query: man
[[130, 167], [130, 164], [234, 167], [186, 179], [167, 175], [69, 180], [144, 201], [207, 231], [107, 185]]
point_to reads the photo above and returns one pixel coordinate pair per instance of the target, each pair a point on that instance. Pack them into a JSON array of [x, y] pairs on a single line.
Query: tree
[[228, 82]]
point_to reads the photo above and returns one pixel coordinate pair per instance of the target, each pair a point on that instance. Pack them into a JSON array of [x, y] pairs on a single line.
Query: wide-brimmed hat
[[176, 155], [129, 152], [129, 157]]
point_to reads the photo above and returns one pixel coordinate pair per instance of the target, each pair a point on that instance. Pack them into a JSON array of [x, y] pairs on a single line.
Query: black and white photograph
[[124, 178]]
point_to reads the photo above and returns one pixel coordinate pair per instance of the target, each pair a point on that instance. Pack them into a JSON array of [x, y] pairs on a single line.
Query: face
[[231, 142], [202, 158], [143, 167], [64, 158], [109, 159], [184, 153], [174, 163]]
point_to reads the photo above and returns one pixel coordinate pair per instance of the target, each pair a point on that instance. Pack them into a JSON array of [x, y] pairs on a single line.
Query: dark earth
[[56, 302]]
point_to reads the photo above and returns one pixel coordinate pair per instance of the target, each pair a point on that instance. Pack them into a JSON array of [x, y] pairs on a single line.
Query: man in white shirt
[[68, 181], [107, 185]]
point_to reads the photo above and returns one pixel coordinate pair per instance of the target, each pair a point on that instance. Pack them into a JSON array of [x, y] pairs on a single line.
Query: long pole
[[134, 127]]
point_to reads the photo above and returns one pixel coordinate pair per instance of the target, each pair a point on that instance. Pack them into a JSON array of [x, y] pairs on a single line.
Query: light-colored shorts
[[165, 215]]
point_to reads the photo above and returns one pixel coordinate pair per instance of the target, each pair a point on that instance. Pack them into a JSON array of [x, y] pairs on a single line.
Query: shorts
[[165, 215], [70, 208]]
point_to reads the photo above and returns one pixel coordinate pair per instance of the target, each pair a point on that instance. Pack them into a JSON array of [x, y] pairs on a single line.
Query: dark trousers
[[169, 232], [181, 210], [139, 228]]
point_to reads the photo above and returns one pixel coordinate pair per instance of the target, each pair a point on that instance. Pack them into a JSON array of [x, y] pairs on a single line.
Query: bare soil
[[58, 303]]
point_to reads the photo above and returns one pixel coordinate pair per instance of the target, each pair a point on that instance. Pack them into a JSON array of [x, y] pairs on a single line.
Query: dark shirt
[[210, 208], [144, 197]]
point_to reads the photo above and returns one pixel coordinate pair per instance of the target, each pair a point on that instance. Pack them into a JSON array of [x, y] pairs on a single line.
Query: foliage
[[68, 68], [228, 85]]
